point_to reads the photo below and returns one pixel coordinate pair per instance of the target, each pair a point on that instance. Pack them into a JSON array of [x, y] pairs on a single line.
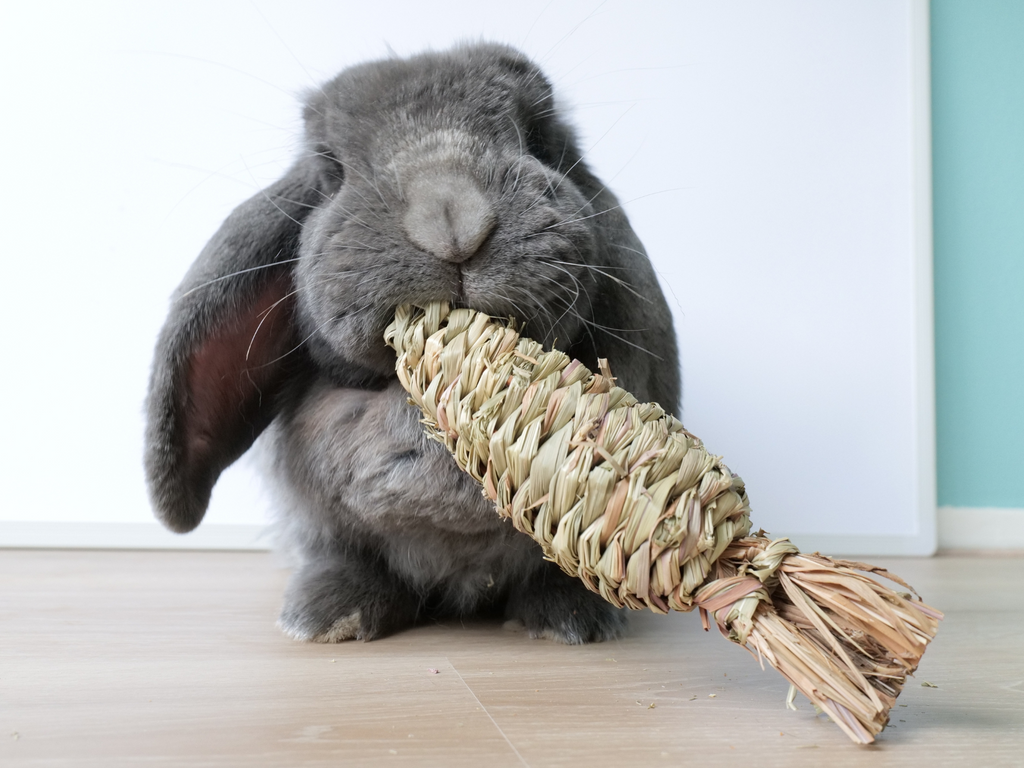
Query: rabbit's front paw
[[344, 628], [553, 605], [337, 601]]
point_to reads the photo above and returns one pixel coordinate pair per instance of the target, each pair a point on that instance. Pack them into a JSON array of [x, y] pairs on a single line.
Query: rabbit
[[450, 176]]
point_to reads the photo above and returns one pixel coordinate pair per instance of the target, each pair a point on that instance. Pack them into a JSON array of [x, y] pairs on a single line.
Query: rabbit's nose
[[448, 215]]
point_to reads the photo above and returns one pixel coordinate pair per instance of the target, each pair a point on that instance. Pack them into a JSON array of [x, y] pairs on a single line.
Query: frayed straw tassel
[[618, 493]]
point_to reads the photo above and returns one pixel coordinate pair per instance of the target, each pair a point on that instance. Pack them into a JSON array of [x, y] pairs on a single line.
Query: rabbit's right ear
[[228, 346]]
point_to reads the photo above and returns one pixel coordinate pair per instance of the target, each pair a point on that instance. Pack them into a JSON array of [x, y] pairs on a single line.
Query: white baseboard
[[990, 528], [852, 546], [57, 535], [978, 528]]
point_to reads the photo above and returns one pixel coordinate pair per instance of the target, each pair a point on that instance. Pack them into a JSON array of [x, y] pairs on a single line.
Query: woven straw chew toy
[[618, 493]]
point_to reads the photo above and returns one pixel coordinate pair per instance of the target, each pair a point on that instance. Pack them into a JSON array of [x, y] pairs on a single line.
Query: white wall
[[765, 152]]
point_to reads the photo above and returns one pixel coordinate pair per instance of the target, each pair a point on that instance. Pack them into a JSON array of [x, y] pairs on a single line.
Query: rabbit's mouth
[[459, 289]]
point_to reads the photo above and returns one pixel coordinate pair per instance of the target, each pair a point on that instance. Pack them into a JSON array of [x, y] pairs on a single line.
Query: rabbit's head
[[446, 176], [450, 188]]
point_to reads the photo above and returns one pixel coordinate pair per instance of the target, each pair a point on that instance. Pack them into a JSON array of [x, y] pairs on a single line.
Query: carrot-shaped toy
[[618, 493]]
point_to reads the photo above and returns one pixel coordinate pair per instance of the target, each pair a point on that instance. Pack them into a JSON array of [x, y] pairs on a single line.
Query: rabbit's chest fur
[[356, 466]]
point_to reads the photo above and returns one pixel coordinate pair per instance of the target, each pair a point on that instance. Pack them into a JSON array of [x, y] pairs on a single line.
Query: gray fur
[[444, 176]]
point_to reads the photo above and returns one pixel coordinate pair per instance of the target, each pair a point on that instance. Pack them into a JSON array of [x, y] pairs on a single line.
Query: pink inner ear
[[234, 376]]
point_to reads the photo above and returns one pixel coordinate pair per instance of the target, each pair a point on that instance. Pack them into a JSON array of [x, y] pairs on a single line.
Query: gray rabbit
[[443, 176]]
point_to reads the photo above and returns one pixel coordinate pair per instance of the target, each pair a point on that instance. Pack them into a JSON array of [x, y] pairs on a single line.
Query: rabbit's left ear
[[228, 346]]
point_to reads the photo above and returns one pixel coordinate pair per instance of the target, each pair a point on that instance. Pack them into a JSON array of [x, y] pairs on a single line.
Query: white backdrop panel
[[764, 151]]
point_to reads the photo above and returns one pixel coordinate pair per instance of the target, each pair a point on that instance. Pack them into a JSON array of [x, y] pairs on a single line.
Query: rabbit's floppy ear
[[227, 347], [634, 324]]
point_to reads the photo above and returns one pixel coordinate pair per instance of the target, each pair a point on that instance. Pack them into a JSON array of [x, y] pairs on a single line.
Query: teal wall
[[978, 151]]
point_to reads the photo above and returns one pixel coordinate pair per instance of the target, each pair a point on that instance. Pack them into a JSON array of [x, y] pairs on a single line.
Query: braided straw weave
[[618, 493]]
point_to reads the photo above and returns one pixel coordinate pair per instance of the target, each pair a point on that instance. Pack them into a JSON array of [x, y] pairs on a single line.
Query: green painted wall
[[978, 151]]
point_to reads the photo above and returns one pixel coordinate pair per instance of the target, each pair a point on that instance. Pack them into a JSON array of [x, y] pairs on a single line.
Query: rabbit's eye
[[518, 65], [535, 146], [322, 150]]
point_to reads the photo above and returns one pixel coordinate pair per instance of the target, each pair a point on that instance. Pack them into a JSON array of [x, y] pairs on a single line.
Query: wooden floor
[[172, 658]]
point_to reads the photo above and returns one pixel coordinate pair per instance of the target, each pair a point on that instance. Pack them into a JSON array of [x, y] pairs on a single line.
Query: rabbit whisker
[[268, 199], [355, 189], [583, 155], [370, 247], [352, 168], [297, 346], [578, 286], [373, 276], [316, 83], [324, 195], [631, 250], [219, 174], [570, 306], [627, 342], [359, 247], [519, 164], [615, 207], [298, 289], [572, 31], [266, 314], [235, 274], [539, 200], [590, 323], [298, 203], [379, 194], [605, 328], [518, 310], [524, 317], [617, 280], [584, 323], [583, 218], [357, 220], [313, 333], [365, 200], [561, 161], [289, 93], [604, 187], [613, 333], [279, 208]]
